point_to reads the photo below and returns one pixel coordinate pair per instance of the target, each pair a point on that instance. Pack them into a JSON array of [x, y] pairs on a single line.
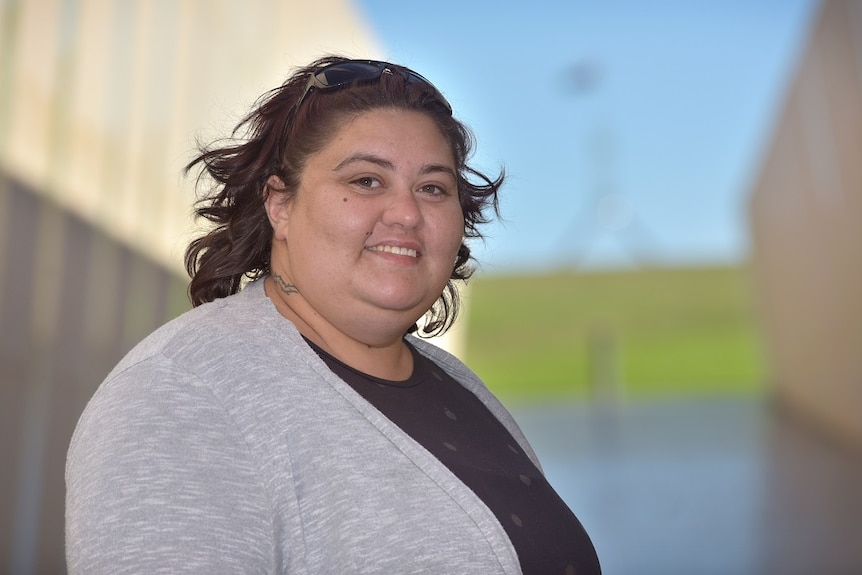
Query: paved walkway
[[724, 487]]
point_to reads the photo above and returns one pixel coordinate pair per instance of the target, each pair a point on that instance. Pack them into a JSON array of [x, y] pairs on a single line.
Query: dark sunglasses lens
[[344, 73]]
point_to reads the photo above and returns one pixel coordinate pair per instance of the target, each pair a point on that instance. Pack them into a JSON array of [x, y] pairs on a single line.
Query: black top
[[453, 424]]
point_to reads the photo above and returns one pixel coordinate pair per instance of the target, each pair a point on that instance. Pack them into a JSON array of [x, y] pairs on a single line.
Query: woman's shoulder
[[446, 360], [472, 382], [196, 358], [224, 326], [459, 371]]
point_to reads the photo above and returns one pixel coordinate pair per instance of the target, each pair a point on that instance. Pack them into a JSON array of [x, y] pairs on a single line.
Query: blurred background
[[671, 306]]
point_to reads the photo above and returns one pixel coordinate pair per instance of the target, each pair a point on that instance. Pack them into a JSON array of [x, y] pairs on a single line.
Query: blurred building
[[806, 217], [100, 105]]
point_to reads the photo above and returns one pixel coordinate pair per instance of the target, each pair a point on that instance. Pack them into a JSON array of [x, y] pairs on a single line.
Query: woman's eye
[[434, 190], [367, 182]]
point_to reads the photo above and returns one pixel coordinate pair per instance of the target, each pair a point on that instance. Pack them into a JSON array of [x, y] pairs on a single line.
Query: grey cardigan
[[223, 444]]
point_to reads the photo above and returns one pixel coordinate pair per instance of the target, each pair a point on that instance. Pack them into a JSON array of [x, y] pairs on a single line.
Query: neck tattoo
[[283, 285]]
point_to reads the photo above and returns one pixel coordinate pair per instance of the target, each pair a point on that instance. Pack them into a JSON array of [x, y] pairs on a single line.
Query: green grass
[[680, 331]]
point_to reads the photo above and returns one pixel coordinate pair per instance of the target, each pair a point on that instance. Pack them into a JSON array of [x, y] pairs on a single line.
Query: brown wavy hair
[[276, 138]]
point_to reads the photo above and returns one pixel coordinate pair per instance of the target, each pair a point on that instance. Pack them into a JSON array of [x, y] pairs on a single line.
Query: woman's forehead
[[390, 136]]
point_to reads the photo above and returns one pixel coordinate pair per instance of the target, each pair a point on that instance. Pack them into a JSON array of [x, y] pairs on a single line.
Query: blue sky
[[631, 131]]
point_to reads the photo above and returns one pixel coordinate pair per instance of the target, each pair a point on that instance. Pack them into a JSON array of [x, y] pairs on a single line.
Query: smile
[[394, 250]]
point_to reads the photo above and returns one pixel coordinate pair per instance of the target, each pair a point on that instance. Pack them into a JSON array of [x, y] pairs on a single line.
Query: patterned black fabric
[[455, 427]]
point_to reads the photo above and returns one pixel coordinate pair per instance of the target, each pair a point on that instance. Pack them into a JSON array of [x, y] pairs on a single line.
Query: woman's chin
[[406, 302]]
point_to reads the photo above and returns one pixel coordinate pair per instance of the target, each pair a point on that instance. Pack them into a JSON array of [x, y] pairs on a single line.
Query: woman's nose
[[403, 209]]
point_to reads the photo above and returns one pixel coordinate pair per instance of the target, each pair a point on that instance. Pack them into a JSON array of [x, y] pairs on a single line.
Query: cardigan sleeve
[[160, 480]]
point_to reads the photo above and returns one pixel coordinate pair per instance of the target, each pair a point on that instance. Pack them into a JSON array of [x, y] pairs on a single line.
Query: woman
[[287, 424]]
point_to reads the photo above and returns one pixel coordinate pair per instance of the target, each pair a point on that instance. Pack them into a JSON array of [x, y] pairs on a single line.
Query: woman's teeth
[[394, 250]]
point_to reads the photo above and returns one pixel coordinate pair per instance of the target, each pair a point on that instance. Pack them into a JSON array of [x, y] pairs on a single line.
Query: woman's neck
[[382, 354]]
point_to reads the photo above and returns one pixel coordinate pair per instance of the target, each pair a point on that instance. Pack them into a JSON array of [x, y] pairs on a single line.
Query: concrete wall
[[100, 104], [74, 301], [102, 99], [806, 218]]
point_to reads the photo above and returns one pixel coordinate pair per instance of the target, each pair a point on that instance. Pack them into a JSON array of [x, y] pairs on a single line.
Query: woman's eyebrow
[[384, 163], [435, 168], [371, 158]]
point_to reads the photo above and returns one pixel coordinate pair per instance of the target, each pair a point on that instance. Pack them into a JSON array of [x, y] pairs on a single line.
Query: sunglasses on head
[[342, 74]]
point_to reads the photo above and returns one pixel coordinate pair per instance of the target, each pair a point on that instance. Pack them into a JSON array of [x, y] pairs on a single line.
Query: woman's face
[[373, 231]]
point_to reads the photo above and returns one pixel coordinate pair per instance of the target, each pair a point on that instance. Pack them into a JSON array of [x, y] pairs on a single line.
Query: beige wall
[[75, 301], [104, 98], [806, 216], [100, 103]]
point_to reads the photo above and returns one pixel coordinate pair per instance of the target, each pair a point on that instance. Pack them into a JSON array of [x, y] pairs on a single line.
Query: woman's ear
[[277, 205]]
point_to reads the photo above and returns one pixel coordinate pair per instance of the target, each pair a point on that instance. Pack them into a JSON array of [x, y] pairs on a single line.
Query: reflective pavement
[[724, 487]]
